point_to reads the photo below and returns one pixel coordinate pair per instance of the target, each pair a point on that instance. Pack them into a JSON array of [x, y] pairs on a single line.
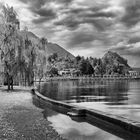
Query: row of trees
[[102, 66], [21, 58], [107, 65]]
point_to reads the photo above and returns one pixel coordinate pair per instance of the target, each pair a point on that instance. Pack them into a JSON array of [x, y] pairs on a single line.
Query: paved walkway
[[21, 120]]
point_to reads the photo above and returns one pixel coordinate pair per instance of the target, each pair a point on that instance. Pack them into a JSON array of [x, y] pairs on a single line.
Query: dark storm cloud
[[100, 24], [99, 14], [127, 49], [132, 12], [80, 37], [74, 17], [70, 22], [131, 52], [43, 15], [73, 23], [43, 12], [34, 3], [39, 3], [41, 20], [63, 1], [123, 49], [134, 40]]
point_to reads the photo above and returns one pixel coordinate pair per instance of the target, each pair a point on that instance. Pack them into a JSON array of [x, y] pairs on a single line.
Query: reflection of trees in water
[[105, 91], [117, 92], [57, 90], [46, 111], [111, 92], [50, 89], [49, 109]]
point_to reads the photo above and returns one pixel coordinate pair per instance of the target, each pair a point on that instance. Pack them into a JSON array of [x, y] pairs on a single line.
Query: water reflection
[[118, 97], [89, 91], [70, 129]]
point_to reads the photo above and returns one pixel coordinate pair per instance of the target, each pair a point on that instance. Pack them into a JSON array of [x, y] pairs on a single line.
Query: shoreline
[[129, 129], [21, 119], [88, 78]]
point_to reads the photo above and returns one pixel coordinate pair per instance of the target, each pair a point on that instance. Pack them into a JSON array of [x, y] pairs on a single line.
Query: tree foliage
[[18, 52], [85, 67], [52, 58], [9, 43]]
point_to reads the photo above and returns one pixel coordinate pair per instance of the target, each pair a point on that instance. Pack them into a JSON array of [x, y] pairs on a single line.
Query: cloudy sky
[[85, 27]]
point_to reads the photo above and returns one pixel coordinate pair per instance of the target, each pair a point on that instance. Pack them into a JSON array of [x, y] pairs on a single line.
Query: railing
[[104, 77]]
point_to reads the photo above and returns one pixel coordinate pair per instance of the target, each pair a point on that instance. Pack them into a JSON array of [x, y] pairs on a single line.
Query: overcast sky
[[85, 27]]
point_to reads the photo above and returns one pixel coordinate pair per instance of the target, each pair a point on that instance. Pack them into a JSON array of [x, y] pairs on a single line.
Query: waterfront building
[[69, 72], [135, 72]]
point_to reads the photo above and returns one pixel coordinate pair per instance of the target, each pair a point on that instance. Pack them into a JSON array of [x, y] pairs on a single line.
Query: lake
[[115, 96]]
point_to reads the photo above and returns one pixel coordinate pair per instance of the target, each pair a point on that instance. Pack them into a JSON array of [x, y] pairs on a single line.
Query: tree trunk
[[8, 81], [28, 79], [25, 79], [11, 82]]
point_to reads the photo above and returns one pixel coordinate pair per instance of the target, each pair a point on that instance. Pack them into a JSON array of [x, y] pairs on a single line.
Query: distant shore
[[109, 77]]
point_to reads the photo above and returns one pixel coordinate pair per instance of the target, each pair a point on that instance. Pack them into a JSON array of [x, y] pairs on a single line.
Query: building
[[69, 72], [135, 72]]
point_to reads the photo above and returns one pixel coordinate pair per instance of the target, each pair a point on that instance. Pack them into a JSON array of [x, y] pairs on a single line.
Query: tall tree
[[43, 43], [40, 70], [9, 42], [85, 67], [18, 52]]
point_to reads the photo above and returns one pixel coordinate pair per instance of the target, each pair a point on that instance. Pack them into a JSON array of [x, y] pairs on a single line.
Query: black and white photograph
[[69, 69]]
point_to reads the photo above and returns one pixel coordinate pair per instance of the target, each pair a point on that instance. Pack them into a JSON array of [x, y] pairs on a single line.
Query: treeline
[[21, 56], [110, 63]]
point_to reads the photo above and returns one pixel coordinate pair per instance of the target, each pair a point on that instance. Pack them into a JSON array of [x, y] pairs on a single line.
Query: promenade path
[[20, 119]]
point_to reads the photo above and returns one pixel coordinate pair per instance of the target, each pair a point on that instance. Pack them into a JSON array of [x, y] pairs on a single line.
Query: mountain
[[54, 48], [30, 35], [113, 58], [50, 47], [114, 63]]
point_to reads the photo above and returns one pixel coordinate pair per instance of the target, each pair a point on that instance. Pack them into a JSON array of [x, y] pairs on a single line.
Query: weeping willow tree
[[30, 61], [17, 51], [9, 39], [41, 60]]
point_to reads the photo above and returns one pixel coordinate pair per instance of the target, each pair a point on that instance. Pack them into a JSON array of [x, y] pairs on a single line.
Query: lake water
[[73, 130], [118, 97], [23, 118]]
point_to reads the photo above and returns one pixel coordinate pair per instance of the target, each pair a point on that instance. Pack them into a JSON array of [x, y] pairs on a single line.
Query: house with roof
[[134, 72]]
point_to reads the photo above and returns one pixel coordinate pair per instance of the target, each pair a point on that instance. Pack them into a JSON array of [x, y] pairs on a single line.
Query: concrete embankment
[[117, 125]]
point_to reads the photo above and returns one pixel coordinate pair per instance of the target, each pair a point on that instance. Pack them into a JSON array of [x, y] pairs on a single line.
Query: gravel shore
[[21, 120]]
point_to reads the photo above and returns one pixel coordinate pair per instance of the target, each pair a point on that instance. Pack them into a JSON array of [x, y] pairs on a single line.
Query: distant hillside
[[54, 48], [113, 58], [30, 35], [50, 47]]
